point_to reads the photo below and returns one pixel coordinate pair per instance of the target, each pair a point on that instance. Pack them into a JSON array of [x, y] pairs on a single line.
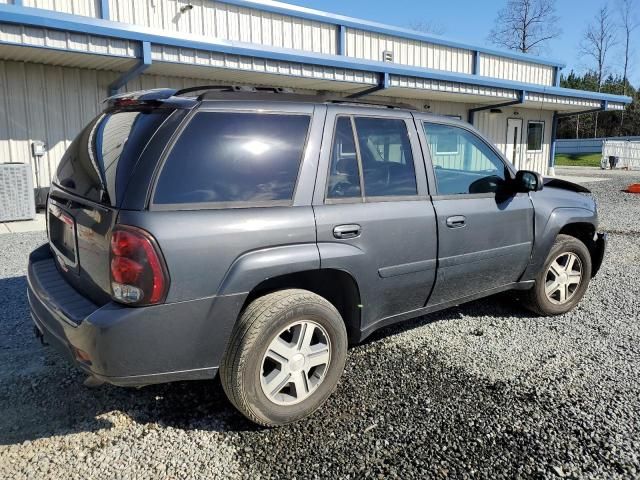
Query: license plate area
[[62, 236]]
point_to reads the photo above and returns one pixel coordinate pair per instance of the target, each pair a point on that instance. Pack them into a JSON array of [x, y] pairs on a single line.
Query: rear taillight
[[138, 272]]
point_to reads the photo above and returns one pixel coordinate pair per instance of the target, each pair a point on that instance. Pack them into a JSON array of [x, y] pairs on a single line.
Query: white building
[[60, 58]]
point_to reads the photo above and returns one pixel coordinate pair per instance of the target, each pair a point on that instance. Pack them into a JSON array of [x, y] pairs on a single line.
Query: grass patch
[[578, 159]]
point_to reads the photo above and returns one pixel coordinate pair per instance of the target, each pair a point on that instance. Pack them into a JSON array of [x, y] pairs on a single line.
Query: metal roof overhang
[[324, 72]]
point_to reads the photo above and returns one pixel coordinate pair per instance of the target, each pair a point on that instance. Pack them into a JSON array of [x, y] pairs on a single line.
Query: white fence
[[628, 152]]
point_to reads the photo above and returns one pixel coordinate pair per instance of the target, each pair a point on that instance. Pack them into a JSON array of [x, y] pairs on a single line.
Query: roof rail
[[220, 92], [229, 88]]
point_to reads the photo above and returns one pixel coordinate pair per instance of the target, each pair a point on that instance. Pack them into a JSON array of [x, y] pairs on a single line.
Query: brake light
[[138, 272]]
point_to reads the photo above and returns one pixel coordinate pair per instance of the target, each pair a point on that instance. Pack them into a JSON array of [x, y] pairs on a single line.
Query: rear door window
[[224, 157]]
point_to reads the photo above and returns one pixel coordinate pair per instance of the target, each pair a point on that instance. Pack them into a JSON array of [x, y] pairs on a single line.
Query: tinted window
[[99, 162], [234, 157], [534, 136], [385, 153], [344, 176], [471, 167]]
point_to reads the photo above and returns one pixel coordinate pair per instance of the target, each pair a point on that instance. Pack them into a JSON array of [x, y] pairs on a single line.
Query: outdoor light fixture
[[186, 8], [495, 110]]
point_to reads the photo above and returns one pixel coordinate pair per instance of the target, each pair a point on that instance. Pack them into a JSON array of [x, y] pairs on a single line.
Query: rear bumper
[[125, 345], [597, 252]]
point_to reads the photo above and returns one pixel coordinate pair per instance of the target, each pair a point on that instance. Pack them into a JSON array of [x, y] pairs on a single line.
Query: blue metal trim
[[522, 95], [335, 19], [476, 62], [17, 2], [554, 134], [104, 9], [93, 26], [342, 40], [126, 77], [604, 104]]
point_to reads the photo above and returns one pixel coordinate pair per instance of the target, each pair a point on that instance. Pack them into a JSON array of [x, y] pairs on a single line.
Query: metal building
[[60, 58]]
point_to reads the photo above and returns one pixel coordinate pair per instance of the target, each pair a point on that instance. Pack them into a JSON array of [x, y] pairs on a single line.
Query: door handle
[[347, 231], [456, 221]]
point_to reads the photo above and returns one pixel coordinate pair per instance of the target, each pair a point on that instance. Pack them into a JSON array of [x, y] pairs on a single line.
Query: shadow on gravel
[[42, 395]]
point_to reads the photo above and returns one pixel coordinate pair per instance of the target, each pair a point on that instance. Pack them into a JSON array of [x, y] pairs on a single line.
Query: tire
[[281, 323], [564, 248]]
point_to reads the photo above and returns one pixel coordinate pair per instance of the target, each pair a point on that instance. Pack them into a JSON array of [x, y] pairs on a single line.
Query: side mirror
[[528, 181]]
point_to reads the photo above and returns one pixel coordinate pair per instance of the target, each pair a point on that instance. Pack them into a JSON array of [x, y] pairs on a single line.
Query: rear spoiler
[[158, 97]]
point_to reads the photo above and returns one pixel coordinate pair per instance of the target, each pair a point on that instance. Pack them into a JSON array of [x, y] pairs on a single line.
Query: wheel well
[[336, 286], [582, 231]]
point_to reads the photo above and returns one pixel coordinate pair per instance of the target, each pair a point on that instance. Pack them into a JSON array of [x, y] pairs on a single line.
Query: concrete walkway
[[38, 224]]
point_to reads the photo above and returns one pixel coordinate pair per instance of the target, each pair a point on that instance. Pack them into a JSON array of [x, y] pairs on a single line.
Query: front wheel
[[285, 357], [563, 280]]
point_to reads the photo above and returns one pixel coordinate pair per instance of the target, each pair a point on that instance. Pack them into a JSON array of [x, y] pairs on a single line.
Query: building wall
[[494, 125], [371, 45], [51, 104], [219, 20], [213, 19]]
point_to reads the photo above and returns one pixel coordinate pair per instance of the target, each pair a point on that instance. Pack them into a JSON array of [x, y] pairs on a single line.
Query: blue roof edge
[[337, 19], [68, 22]]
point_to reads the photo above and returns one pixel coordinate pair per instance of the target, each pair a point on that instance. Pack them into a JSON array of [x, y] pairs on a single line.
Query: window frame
[[431, 173], [540, 122], [363, 197], [153, 206]]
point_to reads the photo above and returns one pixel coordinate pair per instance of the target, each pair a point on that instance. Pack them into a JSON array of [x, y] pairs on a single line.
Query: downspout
[[521, 98], [554, 131], [134, 72], [383, 84]]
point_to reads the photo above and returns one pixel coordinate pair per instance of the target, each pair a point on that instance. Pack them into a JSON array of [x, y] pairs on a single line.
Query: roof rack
[[221, 92]]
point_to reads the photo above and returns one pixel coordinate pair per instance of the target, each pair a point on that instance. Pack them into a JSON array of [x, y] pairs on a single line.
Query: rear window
[[99, 162], [234, 157]]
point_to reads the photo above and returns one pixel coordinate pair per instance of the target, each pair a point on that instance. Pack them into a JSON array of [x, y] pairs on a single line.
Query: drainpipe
[[383, 84], [521, 98], [134, 72]]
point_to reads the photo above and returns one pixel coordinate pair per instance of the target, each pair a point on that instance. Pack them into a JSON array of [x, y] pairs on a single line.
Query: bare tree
[[599, 38], [628, 23], [428, 26], [525, 25]]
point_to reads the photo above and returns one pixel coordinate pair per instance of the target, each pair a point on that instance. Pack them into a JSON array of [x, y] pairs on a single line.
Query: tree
[[628, 23], [525, 25], [598, 39]]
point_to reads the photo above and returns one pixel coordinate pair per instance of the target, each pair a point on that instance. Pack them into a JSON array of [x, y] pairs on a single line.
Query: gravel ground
[[484, 390]]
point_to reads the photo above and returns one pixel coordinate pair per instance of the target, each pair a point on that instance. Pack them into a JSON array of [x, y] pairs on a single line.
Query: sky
[[470, 21]]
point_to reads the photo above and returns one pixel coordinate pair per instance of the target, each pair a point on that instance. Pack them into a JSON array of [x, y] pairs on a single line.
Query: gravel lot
[[483, 390]]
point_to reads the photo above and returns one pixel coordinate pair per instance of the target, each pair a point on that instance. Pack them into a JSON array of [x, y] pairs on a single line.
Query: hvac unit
[[17, 200]]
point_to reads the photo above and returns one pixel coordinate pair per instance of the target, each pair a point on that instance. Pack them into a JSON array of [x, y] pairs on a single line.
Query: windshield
[[99, 162]]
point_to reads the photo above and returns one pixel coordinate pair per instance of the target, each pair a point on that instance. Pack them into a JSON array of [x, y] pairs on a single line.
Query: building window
[[535, 134]]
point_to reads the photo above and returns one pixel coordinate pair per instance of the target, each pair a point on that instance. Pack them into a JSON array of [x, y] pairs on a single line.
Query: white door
[[514, 141]]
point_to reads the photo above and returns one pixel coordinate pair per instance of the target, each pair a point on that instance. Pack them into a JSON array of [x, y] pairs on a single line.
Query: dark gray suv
[[259, 232]]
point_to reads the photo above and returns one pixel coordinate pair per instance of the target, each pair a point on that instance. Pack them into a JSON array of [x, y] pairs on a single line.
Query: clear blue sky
[[471, 20]]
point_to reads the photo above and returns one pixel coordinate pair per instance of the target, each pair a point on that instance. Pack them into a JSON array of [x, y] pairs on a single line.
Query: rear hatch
[[88, 191]]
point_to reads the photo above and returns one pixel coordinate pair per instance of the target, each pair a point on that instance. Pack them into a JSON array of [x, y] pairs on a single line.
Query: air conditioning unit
[[17, 200]]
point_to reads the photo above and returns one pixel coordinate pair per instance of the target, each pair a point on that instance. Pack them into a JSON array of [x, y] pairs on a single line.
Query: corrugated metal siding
[[52, 104], [219, 20], [515, 70], [450, 87], [48, 104], [86, 8], [370, 45], [200, 58], [495, 127], [76, 42]]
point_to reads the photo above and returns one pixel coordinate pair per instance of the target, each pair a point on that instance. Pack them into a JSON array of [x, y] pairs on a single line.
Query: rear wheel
[[563, 280], [285, 357]]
